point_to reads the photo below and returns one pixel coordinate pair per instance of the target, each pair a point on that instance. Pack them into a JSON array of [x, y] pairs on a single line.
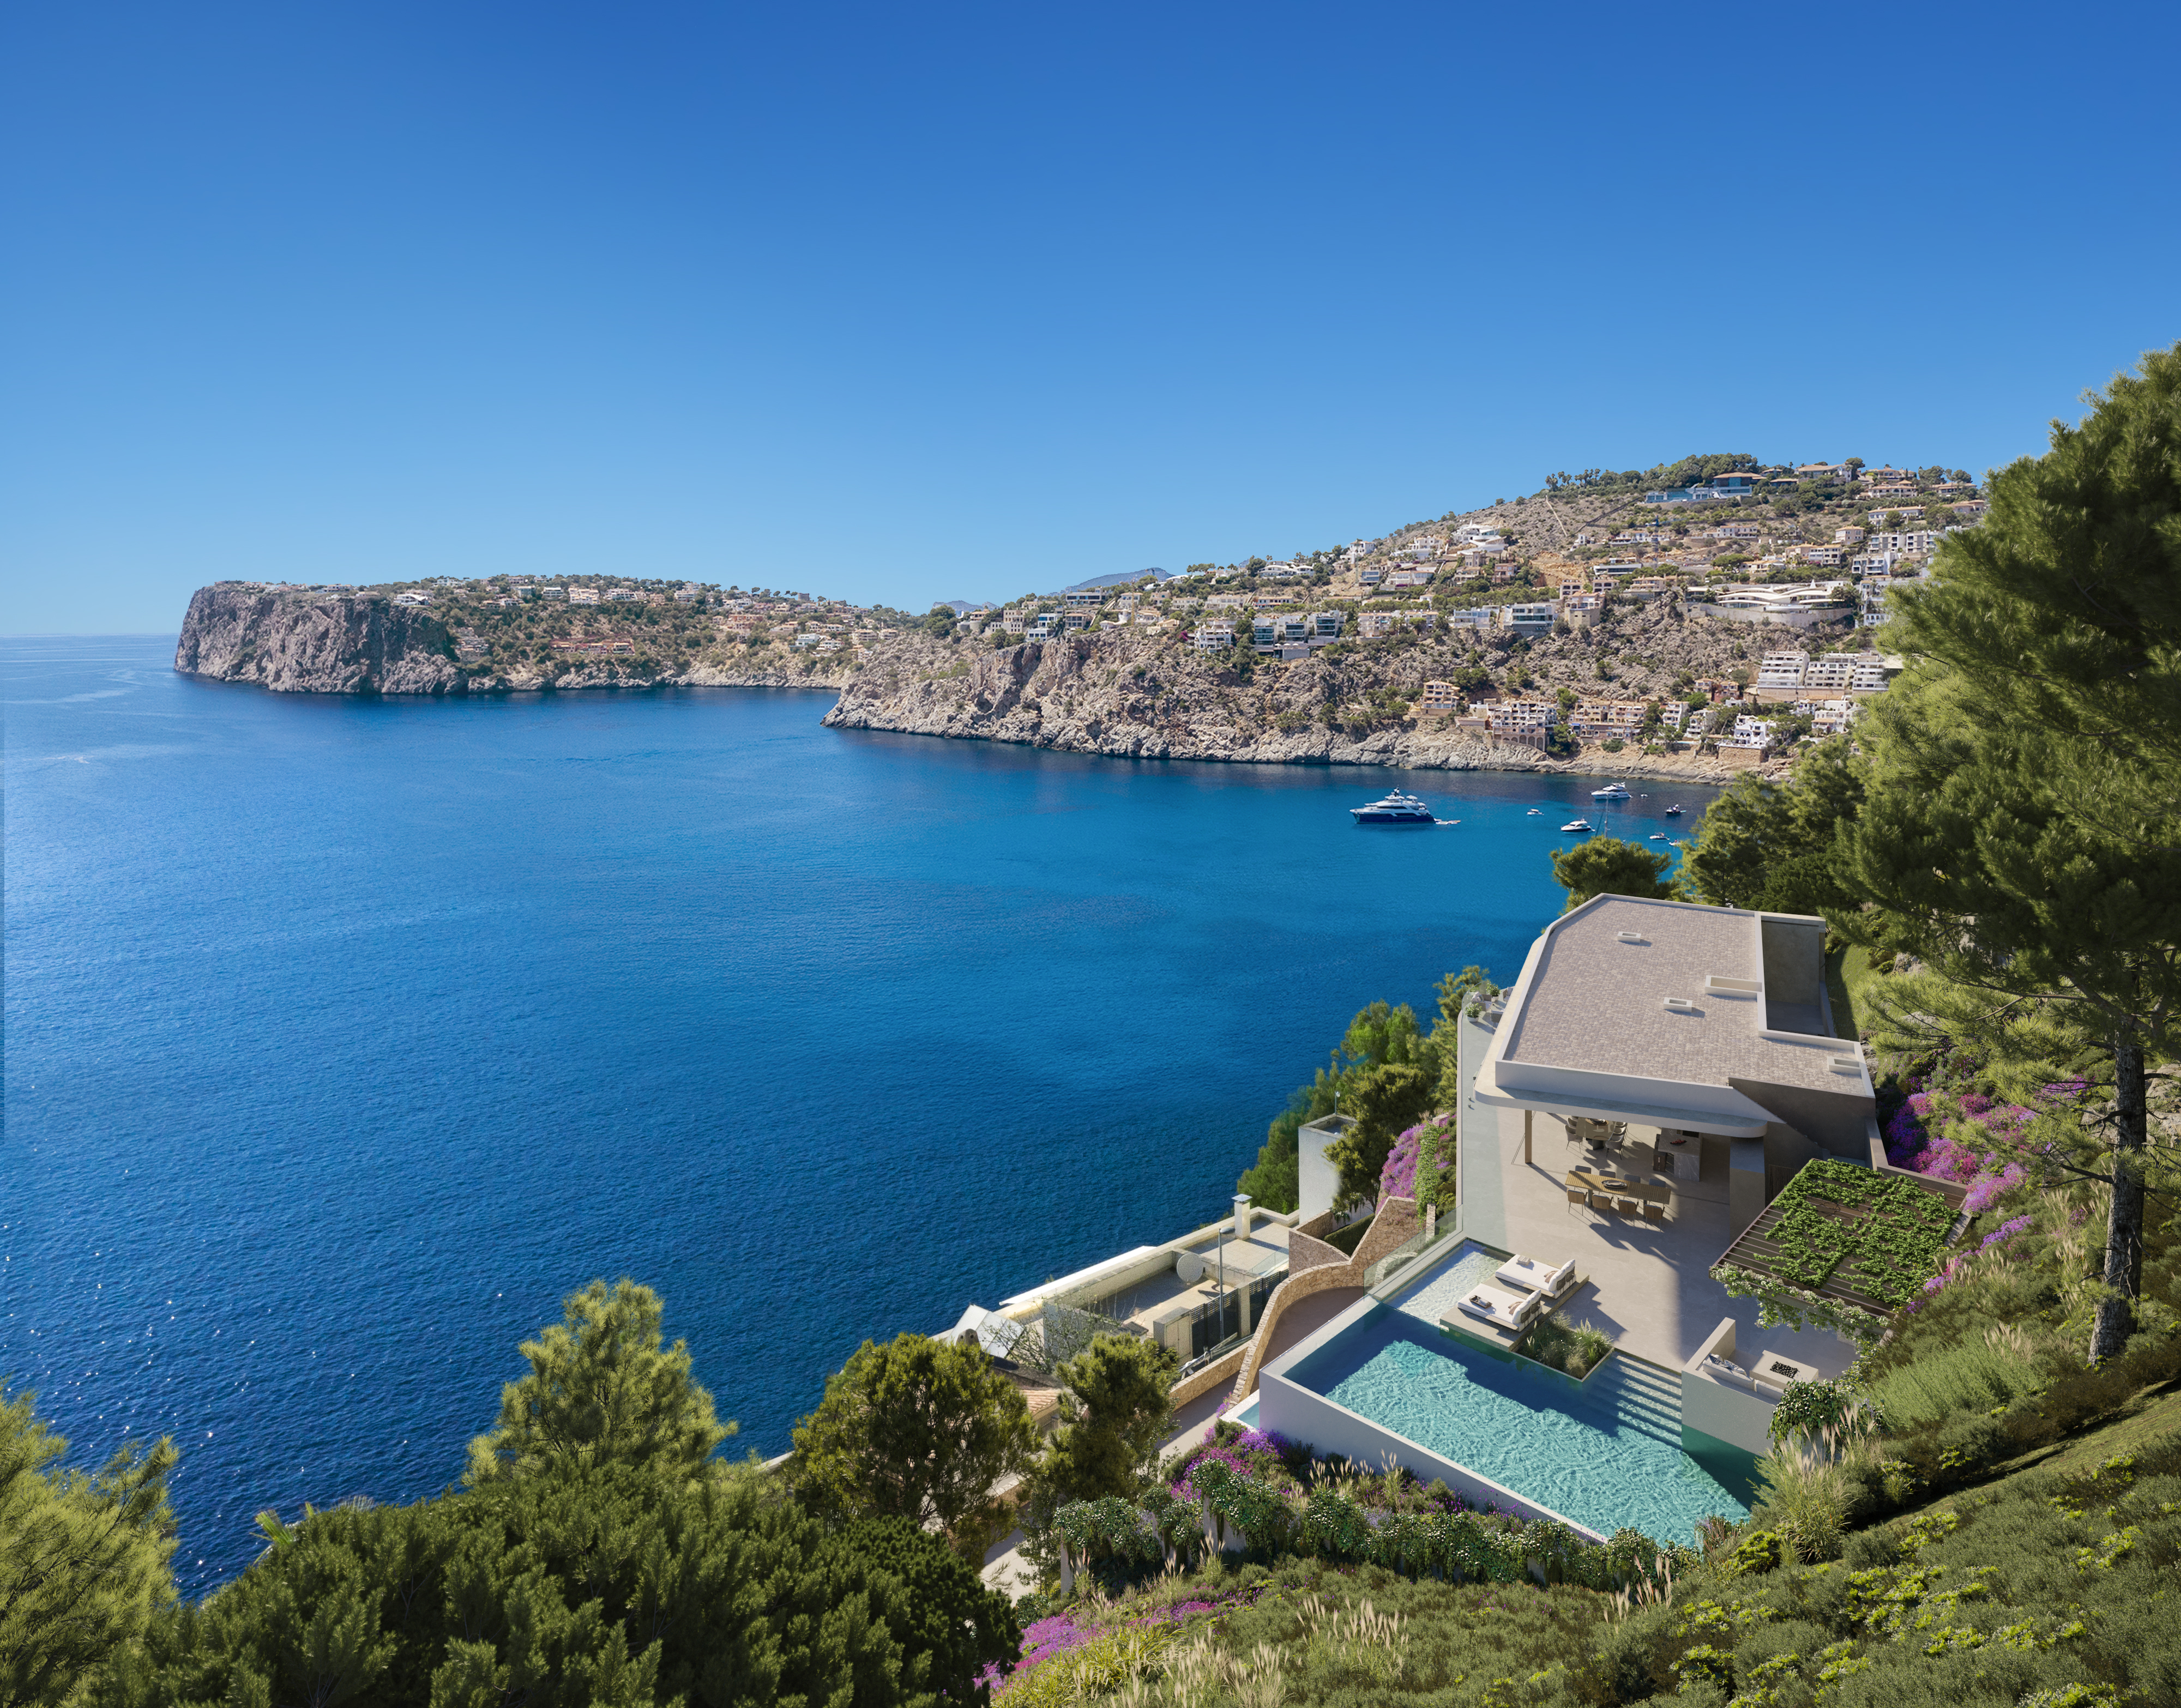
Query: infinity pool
[[1607, 1454]]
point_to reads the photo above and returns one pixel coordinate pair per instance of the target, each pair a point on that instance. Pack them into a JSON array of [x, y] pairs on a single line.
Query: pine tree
[[1771, 845], [918, 1429], [603, 1389], [1114, 1415], [83, 1559], [2021, 833], [1607, 865]]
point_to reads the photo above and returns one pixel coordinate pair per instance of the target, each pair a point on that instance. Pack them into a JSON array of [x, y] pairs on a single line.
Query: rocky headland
[[300, 641]]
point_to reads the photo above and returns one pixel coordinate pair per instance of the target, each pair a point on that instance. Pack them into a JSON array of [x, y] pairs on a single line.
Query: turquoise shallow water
[[1606, 1455], [345, 1036]]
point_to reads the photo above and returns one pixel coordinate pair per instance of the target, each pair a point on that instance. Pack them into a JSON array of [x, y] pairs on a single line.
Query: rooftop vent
[[1682, 1005], [1717, 985], [1631, 937], [1847, 1064]]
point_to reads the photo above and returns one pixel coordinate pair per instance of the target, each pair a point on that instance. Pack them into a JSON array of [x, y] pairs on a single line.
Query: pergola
[[1757, 1250]]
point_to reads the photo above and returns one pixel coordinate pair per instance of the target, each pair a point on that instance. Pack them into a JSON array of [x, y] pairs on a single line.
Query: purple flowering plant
[[1960, 1138], [1398, 1178]]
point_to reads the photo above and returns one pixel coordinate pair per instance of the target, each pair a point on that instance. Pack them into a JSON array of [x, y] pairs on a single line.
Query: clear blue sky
[[910, 302]]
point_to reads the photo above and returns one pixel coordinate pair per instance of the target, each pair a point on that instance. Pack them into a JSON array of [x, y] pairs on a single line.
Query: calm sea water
[[343, 1038]]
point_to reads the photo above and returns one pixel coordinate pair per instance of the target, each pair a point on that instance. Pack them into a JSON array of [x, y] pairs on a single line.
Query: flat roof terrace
[[1662, 1010]]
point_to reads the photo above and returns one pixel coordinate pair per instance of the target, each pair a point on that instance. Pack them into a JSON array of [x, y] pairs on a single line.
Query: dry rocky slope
[[1143, 692], [303, 642]]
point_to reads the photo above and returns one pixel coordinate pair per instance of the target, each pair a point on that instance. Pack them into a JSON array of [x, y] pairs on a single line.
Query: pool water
[[1607, 1453]]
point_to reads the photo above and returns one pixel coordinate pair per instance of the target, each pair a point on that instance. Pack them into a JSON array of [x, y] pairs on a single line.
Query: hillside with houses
[[1695, 619]]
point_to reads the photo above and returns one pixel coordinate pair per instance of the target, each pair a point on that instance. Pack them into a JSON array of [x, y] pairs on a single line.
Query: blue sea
[[344, 1037]]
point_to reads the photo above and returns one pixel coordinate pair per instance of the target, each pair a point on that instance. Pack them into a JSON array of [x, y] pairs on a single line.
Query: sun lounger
[[1501, 1309], [1528, 1275]]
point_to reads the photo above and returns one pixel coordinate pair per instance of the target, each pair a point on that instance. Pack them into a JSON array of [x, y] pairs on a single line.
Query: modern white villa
[[1658, 1073]]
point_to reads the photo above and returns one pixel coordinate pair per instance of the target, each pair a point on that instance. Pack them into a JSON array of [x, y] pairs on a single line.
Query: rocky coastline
[[295, 641], [1139, 693]]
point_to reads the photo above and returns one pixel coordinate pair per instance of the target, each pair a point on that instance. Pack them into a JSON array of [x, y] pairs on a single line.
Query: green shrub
[[568, 1585], [1575, 1348], [1758, 1552], [1970, 1375]]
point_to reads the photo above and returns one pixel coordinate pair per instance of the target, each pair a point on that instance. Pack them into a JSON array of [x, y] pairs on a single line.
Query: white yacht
[[1611, 791], [1578, 825], [1396, 808]]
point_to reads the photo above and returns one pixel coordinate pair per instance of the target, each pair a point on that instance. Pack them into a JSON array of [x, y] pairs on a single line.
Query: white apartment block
[[1522, 717], [1782, 670], [1213, 637], [1915, 541], [1440, 697], [1848, 537], [1750, 732], [1609, 717], [1828, 717]]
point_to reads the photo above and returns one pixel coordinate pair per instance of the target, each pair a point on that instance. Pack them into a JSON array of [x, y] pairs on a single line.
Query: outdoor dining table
[[1592, 1179]]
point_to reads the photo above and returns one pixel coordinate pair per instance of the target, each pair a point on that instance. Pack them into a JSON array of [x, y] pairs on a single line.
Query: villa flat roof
[[1589, 1020]]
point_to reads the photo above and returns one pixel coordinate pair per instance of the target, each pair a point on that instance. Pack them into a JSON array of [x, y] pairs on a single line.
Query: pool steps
[[1645, 1398]]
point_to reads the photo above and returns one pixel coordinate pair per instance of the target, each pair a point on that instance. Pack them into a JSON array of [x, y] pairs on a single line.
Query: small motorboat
[[1674, 810], [1577, 824], [1536, 812], [1658, 836]]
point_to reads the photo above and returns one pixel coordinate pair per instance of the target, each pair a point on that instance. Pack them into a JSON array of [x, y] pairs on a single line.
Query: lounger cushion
[[1529, 1274], [1508, 1309]]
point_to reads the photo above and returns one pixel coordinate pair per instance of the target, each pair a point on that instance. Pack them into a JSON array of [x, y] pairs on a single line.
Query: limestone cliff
[[298, 641], [1142, 692], [320, 643]]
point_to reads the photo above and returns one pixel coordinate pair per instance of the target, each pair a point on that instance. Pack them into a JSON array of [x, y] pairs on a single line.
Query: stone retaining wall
[[1397, 1223], [1203, 1381]]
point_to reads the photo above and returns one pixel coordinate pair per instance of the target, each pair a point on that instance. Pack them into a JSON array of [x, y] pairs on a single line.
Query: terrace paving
[[1649, 1284]]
